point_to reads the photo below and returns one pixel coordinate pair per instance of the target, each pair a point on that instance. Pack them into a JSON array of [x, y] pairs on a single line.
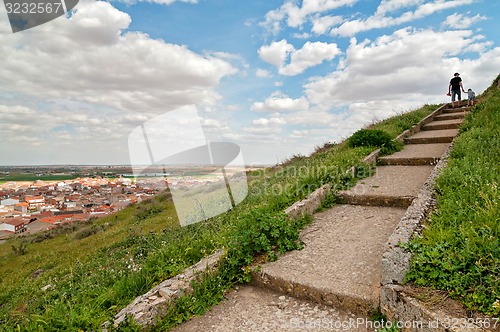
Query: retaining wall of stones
[[146, 308]]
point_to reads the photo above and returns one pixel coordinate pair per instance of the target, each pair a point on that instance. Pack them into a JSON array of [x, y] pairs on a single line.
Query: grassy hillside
[[77, 277], [460, 249]]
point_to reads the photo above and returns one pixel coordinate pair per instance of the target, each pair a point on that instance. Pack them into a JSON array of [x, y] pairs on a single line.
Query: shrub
[[20, 250], [148, 210], [375, 138], [86, 232], [369, 137]]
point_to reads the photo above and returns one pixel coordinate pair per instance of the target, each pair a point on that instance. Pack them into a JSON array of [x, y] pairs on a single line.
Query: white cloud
[[378, 20], [303, 35], [279, 102], [299, 134], [296, 15], [314, 116], [388, 6], [459, 21], [310, 55], [267, 122], [321, 24], [397, 68], [86, 81], [162, 2], [127, 71], [263, 73], [265, 128], [276, 53]]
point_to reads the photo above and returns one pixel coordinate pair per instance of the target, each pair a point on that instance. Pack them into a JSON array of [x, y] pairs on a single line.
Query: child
[[471, 96]]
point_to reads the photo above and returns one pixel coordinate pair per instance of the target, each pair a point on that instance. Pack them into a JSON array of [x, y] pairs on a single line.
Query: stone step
[[450, 116], [444, 124], [416, 155], [253, 309], [339, 265], [390, 186], [432, 136], [457, 109]]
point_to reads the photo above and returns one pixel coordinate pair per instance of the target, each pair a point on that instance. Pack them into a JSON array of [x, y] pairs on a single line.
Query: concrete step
[[254, 309], [390, 186], [416, 155], [444, 124], [457, 109], [432, 136], [339, 266], [450, 116]]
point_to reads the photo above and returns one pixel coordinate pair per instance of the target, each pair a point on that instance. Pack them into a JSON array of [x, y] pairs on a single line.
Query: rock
[[166, 293], [47, 287], [37, 273]]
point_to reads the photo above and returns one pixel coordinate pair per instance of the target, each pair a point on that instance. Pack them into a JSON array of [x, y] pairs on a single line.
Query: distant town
[[34, 199]]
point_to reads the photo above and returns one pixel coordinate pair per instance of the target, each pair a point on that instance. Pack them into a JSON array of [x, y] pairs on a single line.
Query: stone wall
[[309, 205], [146, 308], [416, 316]]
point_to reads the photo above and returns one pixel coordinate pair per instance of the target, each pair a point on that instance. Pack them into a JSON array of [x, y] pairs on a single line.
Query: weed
[[380, 320], [391, 147], [393, 327], [21, 249], [328, 202]]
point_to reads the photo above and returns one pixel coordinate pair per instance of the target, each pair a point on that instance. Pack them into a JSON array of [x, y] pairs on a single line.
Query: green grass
[[460, 249], [34, 177], [396, 125], [93, 272]]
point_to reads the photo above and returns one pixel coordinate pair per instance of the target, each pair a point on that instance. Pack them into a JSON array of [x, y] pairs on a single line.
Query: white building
[[9, 202]]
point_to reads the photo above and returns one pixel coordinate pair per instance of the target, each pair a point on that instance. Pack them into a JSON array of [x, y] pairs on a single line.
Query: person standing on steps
[[470, 97], [454, 88]]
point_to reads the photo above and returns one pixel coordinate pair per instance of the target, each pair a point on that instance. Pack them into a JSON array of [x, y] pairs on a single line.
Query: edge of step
[[443, 124], [450, 116], [417, 161], [374, 200], [428, 140], [346, 301]]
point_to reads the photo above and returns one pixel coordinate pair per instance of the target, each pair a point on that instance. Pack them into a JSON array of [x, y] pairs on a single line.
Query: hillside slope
[[76, 278]]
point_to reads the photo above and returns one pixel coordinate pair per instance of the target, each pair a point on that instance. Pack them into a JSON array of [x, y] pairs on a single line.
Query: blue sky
[[276, 77]]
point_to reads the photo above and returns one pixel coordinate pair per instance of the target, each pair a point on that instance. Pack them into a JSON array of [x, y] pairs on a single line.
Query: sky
[[276, 77]]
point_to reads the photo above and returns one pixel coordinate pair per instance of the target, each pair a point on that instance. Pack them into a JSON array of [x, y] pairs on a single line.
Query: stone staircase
[[336, 278]]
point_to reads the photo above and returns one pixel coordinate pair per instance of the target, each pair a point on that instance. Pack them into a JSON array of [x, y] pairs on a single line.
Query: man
[[455, 87]]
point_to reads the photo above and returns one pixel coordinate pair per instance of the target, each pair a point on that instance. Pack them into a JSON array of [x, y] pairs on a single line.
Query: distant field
[[34, 177]]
